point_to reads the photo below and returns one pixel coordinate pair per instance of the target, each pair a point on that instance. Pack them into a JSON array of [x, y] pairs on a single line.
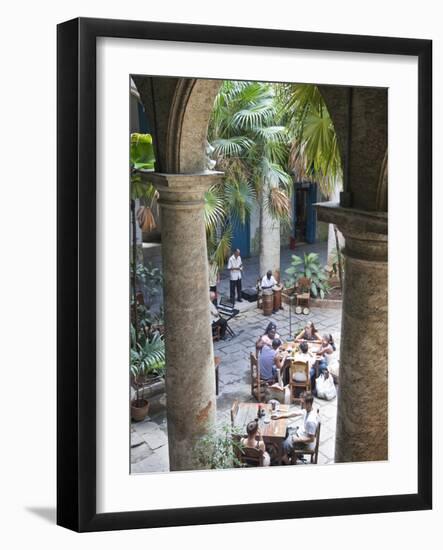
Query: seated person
[[304, 356], [308, 333], [216, 320], [269, 362], [267, 338], [304, 439], [268, 281], [256, 443], [326, 349]]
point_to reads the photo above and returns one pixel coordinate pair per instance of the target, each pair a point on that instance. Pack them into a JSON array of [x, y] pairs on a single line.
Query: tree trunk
[[269, 237], [339, 258]]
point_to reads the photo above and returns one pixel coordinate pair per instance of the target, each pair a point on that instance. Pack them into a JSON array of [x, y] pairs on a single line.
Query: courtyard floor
[[149, 443]]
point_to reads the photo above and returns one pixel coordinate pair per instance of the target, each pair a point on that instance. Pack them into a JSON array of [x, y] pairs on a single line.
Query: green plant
[[315, 153], [310, 268], [142, 152], [141, 158], [147, 357], [149, 321], [219, 450], [147, 354], [149, 278]]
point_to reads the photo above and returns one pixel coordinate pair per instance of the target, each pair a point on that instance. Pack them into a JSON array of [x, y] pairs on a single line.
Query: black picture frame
[[76, 281]]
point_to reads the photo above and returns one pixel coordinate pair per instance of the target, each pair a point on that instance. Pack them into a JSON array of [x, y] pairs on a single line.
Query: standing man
[[235, 269]]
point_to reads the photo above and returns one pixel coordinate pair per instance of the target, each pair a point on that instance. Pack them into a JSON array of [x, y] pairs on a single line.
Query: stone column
[[190, 374], [362, 416]]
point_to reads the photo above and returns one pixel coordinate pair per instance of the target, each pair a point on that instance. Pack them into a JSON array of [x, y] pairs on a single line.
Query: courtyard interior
[[149, 440]]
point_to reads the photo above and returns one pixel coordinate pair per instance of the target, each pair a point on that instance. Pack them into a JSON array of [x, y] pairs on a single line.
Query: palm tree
[[315, 153], [252, 148]]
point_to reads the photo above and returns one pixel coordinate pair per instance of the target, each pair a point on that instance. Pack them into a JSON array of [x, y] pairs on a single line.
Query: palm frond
[[255, 114], [276, 175], [272, 133], [278, 203], [214, 211], [219, 248], [240, 197], [234, 146]]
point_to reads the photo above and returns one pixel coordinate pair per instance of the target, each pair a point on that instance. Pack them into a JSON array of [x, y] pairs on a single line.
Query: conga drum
[[277, 297], [268, 302]]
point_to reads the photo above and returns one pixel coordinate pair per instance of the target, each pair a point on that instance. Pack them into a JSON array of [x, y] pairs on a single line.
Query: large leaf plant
[[309, 267]]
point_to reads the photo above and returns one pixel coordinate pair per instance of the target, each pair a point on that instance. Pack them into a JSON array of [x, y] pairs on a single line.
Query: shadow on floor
[[48, 514]]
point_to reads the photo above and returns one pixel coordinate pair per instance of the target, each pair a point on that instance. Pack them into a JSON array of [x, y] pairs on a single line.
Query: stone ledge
[[351, 220]]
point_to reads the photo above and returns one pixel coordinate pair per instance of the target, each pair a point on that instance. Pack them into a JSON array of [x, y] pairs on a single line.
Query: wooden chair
[[216, 333], [251, 457], [258, 386], [303, 292], [314, 452], [234, 411], [228, 312], [299, 367], [278, 392]]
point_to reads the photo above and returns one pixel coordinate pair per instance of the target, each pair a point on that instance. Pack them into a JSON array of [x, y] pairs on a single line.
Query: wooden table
[[273, 433]]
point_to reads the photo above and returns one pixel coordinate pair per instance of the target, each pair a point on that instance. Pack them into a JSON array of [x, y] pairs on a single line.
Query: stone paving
[[149, 446]]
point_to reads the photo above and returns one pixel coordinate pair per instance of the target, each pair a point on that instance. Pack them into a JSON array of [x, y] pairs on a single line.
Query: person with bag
[[325, 386]]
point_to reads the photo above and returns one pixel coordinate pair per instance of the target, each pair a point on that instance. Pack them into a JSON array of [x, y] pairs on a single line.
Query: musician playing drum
[[268, 281]]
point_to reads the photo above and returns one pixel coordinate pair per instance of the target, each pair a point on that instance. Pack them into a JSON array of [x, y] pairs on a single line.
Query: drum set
[[272, 301], [299, 310]]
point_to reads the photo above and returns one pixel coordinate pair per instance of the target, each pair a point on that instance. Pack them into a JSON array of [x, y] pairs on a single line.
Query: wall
[[27, 472]]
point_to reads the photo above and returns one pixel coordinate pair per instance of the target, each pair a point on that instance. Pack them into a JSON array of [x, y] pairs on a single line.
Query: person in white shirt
[[268, 282], [304, 439], [304, 356], [235, 268]]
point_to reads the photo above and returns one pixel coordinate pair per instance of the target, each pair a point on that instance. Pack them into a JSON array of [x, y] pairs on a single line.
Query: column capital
[[366, 232], [183, 190]]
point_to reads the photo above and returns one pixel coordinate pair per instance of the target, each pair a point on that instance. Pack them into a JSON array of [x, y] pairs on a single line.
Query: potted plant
[[147, 366], [309, 267], [220, 449]]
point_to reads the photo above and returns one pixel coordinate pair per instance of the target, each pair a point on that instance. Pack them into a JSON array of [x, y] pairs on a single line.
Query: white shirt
[[213, 311], [304, 358], [310, 421], [213, 274], [234, 274], [268, 283]]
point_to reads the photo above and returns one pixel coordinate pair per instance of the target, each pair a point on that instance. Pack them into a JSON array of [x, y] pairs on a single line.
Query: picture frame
[[77, 282]]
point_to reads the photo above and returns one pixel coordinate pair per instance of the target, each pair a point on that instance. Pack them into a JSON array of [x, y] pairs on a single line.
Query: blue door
[[241, 237]]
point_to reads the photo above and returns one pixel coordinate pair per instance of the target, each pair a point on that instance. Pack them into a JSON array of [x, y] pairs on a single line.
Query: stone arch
[[191, 109], [360, 120]]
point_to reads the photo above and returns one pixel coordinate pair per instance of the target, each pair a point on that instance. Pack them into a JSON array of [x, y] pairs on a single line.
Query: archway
[[181, 118]]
